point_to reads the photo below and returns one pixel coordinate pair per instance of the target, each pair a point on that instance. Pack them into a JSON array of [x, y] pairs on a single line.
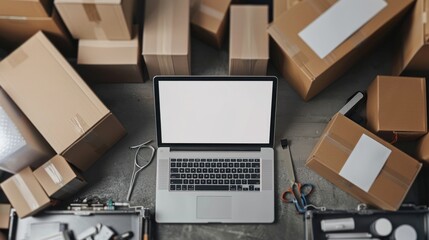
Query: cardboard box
[[336, 146], [396, 107], [26, 8], [58, 178], [280, 6], [22, 144], [106, 61], [166, 49], [422, 152], [58, 102], [101, 19], [309, 72], [413, 50], [248, 40], [16, 30], [4, 216], [209, 19], [25, 193]]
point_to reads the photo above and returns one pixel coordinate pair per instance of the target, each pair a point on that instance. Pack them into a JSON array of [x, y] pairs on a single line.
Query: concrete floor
[[297, 120]]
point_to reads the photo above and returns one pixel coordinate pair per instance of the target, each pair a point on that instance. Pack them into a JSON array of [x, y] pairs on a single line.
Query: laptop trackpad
[[214, 207]]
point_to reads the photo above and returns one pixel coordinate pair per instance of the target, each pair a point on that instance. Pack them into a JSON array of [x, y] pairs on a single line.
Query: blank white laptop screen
[[215, 112]]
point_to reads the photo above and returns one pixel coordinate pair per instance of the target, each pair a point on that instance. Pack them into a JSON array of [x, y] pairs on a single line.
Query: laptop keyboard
[[215, 174]]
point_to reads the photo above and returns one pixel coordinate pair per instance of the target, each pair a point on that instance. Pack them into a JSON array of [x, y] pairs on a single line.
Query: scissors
[[297, 192], [137, 167]]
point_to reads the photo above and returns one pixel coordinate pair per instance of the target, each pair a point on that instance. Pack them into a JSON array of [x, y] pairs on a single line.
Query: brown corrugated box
[[25, 193], [306, 72], [248, 43], [413, 50], [26, 146], [58, 102], [97, 19], [166, 40], [26, 8], [4, 216], [280, 6], [422, 152], [209, 19], [397, 106], [333, 149], [16, 30], [107, 61], [58, 178]]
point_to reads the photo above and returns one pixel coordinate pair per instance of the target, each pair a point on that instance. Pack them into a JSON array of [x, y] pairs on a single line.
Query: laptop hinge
[[235, 149]]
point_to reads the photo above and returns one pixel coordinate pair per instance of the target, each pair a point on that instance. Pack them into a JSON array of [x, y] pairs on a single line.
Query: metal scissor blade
[[285, 155]]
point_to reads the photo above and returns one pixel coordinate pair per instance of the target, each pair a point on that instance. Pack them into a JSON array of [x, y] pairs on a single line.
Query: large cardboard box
[[4, 216], [26, 8], [280, 6], [422, 152], [25, 193], [22, 145], [97, 19], [107, 61], [58, 178], [344, 142], [166, 40], [413, 50], [58, 102], [16, 30], [209, 20], [248, 40], [309, 72], [396, 107]]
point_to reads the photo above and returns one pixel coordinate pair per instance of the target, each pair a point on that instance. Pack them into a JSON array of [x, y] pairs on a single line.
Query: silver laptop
[[215, 161]]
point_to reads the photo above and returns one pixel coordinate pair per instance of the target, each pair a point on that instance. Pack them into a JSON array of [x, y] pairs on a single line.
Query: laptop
[[215, 158]]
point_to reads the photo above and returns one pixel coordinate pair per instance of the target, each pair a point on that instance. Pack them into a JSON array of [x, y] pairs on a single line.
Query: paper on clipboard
[[338, 23]]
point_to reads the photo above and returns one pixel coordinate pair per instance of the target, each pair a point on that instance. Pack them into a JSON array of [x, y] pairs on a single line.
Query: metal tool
[[297, 192], [138, 167]]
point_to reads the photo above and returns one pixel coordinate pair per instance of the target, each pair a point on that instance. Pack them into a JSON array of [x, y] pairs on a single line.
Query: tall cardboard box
[[26, 8], [344, 143], [106, 61], [248, 40], [422, 152], [413, 50], [4, 216], [308, 71], [396, 107], [166, 40], [25, 193], [58, 178], [99, 19], [58, 102], [280, 6], [16, 30], [209, 20], [22, 145]]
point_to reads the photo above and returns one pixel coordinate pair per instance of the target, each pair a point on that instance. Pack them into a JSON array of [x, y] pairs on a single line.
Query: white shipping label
[[338, 23], [365, 162]]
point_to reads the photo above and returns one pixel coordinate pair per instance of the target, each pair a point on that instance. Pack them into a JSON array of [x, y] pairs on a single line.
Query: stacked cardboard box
[[309, 53], [166, 39], [248, 44], [19, 20], [4, 216]]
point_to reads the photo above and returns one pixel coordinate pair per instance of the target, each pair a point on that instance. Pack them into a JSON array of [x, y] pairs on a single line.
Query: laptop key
[[179, 187], [173, 164], [185, 182], [214, 181], [184, 187], [233, 188], [197, 181], [174, 175], [256, 182], [239, 188], [172, 160], [211, 187], [176, 181], [183, 175], [173, 187], [191, 182], [174, 170], [181, 170], [251, 187], [191, 188]]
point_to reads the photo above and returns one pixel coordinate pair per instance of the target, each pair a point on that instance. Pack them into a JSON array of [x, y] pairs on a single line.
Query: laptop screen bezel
[[215, 146]]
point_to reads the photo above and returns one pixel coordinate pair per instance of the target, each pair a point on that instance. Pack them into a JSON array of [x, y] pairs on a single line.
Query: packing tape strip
[[291, 3], [214, 13], [79, 124], [17, 57], [165, 36], [25, 192], [54, 174], [92, 12]]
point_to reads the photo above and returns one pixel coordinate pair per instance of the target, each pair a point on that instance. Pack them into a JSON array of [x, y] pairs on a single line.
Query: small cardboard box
[[309, 72], [58, 178], [209, 20], [107, 61], [99, 19], [336, 146], [26, 8], [422, 152], [4, 216], [16, 30], [166, 40], [58, 102], [396, 107], [25, 193], [22, 144], [280, 6], [413, 50], [248, 43]]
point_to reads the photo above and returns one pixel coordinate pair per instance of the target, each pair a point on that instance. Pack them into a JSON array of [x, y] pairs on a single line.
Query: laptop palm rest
[[214, 207]]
